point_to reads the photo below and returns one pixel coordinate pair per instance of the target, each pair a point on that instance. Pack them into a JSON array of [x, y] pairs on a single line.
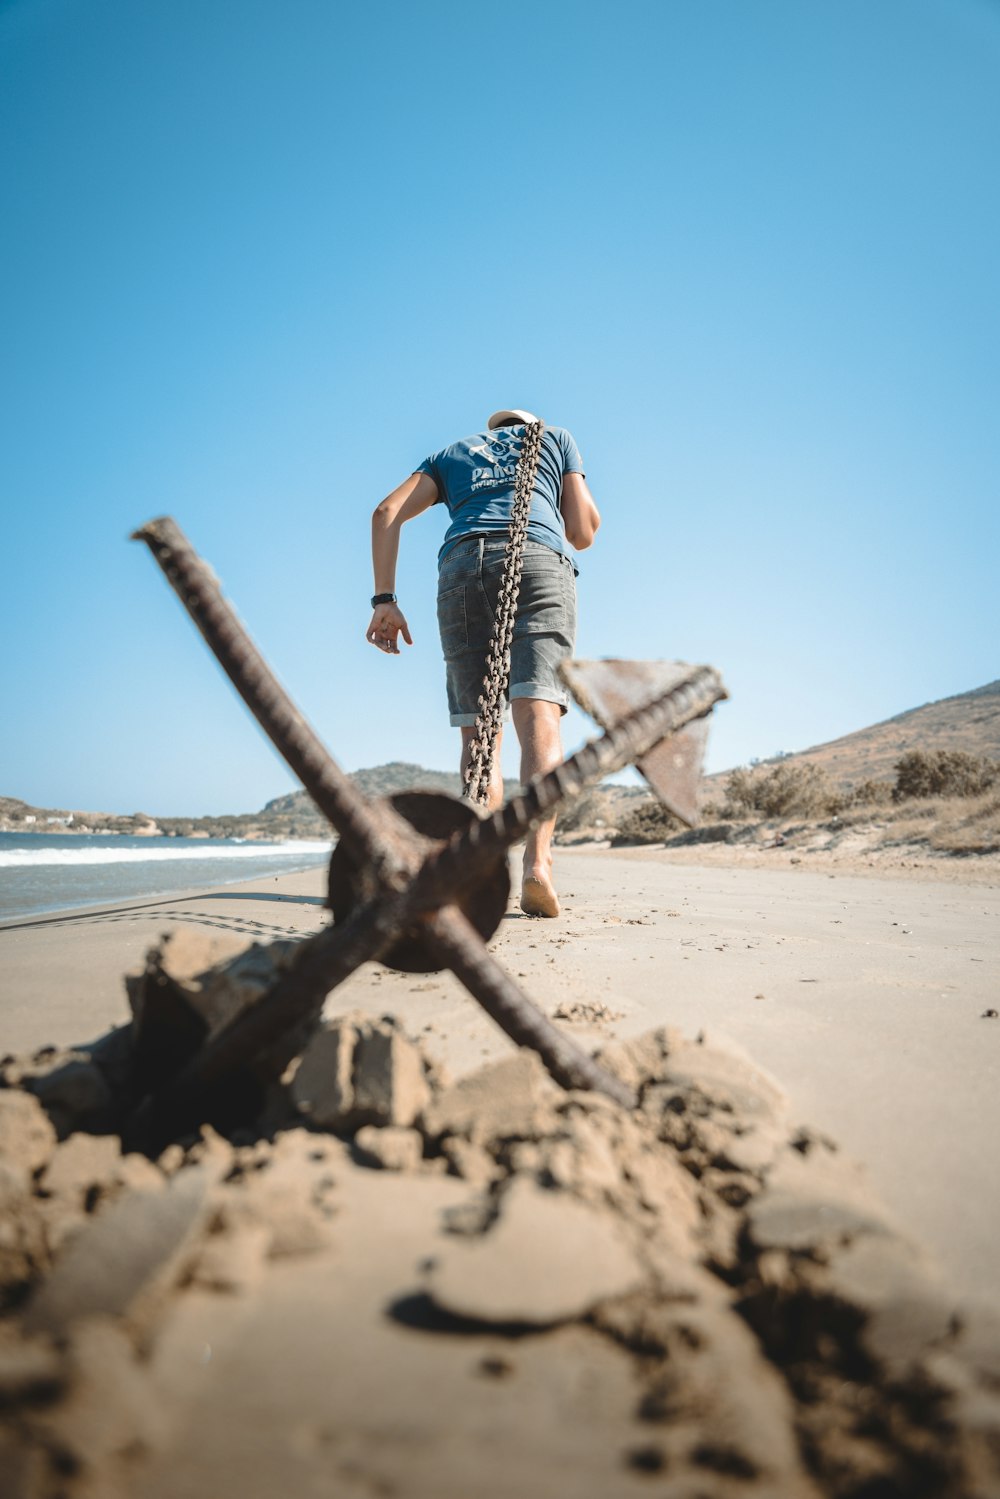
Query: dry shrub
[[870, 794], [648, 823], [594, 809], [784, 791], [713, 811], [944, 773]]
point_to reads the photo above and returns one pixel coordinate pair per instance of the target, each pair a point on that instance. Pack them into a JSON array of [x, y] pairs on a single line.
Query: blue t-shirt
[[475, 479]]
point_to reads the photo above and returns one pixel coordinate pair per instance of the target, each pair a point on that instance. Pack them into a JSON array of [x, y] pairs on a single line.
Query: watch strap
[[383, 598]]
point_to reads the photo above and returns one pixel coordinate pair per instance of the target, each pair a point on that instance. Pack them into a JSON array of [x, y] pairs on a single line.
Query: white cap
[[505, 418]]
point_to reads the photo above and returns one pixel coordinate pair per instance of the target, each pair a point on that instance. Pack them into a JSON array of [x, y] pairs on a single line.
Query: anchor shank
[[371, 834], [460, 948]]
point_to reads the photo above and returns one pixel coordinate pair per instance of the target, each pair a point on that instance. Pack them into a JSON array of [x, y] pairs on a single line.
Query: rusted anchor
[[420, 881]]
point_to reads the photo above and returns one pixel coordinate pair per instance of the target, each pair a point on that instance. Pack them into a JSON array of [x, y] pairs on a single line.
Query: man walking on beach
[[474, 477]]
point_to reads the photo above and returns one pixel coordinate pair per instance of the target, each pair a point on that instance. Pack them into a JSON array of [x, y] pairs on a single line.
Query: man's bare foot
[[538, 896]]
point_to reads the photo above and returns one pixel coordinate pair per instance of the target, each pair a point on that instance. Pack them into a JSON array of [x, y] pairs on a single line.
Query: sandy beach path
[[863, 996]]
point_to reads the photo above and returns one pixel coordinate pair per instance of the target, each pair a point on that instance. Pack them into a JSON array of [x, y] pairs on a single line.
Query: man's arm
[[415, 495], [580, 514]]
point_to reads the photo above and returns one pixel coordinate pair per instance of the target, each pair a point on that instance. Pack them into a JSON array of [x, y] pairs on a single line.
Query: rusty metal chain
[[497, 675]]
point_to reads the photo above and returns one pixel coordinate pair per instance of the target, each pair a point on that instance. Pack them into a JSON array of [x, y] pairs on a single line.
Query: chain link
[[497, 677]]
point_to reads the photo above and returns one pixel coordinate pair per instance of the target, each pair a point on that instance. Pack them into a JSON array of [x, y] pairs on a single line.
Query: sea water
[[57, 871]]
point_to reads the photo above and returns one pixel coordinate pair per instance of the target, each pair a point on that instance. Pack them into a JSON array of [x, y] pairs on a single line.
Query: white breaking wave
[[14, 858]]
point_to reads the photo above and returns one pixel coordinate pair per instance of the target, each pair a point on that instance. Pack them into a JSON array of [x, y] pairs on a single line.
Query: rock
[[187, 964], [212, 1151], [112, 1053], [24, 1469], [389, 1082], [728, 1077], [111, 1413], [136, 1173], [979, 1344], [906, 1309], [27, 1138], [394, 1149], [753, 1151], [70, 1085], [593, 1166], [75, 1095], [357, 1071], [287, 1197], [664, 1187], [322, 1087], [715, 1382], [511, 1099], [810, 1202], [30, 1369], [471, 1162], [548, 1259], [295, 1226], [641, 1060], [23, 1249], [124, 1260], [193, 984], [172, 1159], [305, 1147], [80, 1165], [233, 1262], [15, 1187]]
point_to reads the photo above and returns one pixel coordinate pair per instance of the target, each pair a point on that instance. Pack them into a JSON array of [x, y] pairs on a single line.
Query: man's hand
[[388, 623]]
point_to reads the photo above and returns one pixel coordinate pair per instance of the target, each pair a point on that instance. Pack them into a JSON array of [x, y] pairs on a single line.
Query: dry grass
[[650, 822], [958, 824], [932, 826]]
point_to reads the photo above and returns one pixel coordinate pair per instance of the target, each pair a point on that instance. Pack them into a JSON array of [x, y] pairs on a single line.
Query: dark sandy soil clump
[[692, 1298]]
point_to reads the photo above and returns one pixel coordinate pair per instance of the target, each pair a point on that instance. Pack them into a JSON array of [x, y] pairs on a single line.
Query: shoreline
[[52, 914], [34, 885], [152, 830]]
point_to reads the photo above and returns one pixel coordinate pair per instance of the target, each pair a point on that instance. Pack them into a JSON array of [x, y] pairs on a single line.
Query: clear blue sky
[[259, 258]]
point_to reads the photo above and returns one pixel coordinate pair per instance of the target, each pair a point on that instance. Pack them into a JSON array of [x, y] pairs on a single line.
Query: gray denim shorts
[[544, 628]]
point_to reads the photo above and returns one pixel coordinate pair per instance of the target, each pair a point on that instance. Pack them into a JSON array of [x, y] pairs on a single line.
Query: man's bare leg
[[495, 798], [538, 731]]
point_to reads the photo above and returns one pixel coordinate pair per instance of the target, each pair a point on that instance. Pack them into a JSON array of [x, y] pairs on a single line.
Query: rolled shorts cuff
[[542, 693], [532, 690]]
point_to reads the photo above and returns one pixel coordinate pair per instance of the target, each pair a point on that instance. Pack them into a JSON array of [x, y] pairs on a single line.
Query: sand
[[572, 1326]]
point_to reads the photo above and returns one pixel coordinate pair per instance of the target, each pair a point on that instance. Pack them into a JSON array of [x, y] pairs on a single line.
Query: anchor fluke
[[609, 691]]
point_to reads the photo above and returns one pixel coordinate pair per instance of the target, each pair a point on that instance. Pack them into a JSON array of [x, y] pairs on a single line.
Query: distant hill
[[379, 780], [969, 721]]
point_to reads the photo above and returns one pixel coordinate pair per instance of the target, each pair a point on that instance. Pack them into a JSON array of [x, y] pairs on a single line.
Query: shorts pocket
[[547, 601], [453, 620]]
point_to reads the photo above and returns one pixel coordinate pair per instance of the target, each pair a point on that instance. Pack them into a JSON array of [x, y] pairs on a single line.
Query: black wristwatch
[[383, 598]]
